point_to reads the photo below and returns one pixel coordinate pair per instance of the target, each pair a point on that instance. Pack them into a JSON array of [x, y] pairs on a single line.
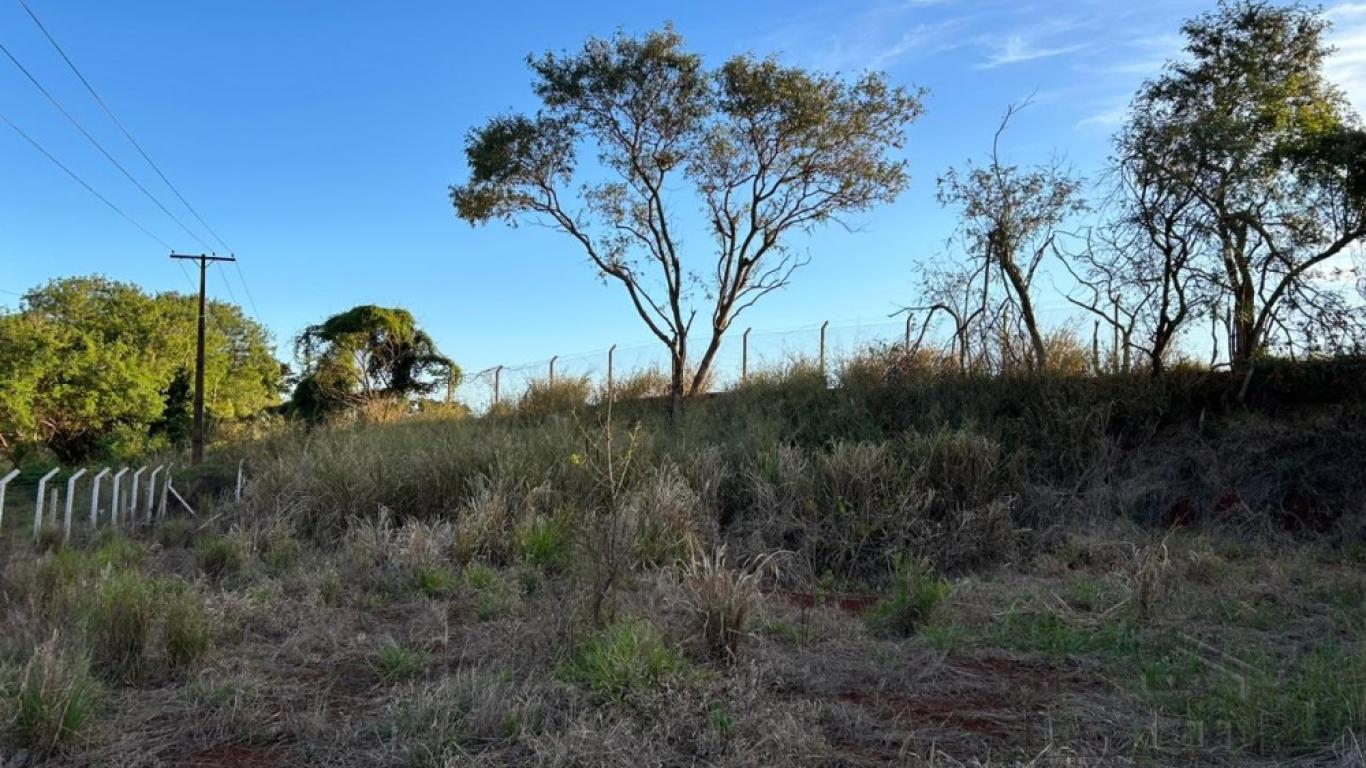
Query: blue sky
[[318, 138]]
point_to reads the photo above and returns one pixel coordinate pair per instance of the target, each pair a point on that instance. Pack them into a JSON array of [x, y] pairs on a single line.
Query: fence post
[[237, 494], [118, 499], [823, 327], [70, 499], [95, 497], [552, 369], [152, 490], [610, 391], [4, 481], [165, 489], [38, 506], [133, 495], [910, 320], [744, 355], [497, 379]]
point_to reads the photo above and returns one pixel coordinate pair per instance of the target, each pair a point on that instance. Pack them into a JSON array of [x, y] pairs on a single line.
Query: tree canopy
[[93, 366], [767, 149], [363, 355]]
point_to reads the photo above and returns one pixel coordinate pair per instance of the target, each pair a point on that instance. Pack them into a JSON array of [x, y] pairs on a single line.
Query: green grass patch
[[54, 698], [916, 592], [221, 556], [392, 662], [625, 659]]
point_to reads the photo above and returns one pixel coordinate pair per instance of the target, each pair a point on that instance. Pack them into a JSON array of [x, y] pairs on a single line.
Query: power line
[[128, 135], [83, 183], [58, 105]]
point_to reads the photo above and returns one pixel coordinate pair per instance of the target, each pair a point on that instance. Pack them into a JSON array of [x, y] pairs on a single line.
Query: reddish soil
[[236, 756], [978, 714], [852, 603]]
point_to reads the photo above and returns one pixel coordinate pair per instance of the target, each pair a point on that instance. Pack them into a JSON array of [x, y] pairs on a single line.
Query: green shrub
[[54, 699], [221, 556], [916, 592], [625, 659], [119, 552], [393, 662]]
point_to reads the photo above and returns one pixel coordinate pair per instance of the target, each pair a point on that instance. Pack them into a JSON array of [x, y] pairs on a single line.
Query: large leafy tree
[[363, 355], [767, 149], [1266, 155], [89, 365]]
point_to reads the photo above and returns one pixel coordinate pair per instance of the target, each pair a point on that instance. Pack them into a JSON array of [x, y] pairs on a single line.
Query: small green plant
[[118, 621], [281, 551], [434, 580], [176, 533], [627, 658], [916, 592], [494, 595], [185, 632], [541, 541], [392, 662], [1042, 631], [330, 587], [119, 552], [220, 556], [55, 698]]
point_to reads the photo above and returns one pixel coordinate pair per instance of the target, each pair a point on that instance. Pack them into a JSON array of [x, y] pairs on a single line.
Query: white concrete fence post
[[4, 481], [152, 491], [70, 499], [165, 489], [133, 496], [38, 505], [118, 499], [236, 496], [95, 497]]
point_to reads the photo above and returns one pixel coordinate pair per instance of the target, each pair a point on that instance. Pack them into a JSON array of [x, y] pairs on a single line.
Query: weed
[[55, 698], [541, 541], [186, 634], [329, 587], [392, 662], [176, 533], [721, 599], [916, 592], [221, 556], [627, 658], [119, 552], [434, 580], [1047, 632], [281, 550], [118, 620]]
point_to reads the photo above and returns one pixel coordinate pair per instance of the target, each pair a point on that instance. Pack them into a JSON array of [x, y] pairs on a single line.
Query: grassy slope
[[971, 570]]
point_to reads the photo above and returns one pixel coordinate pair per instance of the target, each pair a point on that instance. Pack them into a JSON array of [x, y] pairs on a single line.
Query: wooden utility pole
[[197, 438]]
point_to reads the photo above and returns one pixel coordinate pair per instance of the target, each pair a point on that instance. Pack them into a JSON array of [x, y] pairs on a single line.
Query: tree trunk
[[678, 359]]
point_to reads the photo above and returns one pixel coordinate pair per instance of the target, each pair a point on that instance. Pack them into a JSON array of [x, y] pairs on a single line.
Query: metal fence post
[[610, 383], [552, 369], [95, 497], [118, 498], [744, 355], [38, 506], [70, 499], [4, 481]]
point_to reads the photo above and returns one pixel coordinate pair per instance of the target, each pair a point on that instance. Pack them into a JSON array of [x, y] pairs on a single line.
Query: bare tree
[[769, 151], [1010, 218]]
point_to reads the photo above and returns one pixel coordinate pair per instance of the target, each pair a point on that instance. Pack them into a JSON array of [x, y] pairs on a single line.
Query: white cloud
[[1016, 49]]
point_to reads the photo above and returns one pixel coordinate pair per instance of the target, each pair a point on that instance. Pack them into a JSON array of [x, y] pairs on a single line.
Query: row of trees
[[91, 367], [1238, 179]]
